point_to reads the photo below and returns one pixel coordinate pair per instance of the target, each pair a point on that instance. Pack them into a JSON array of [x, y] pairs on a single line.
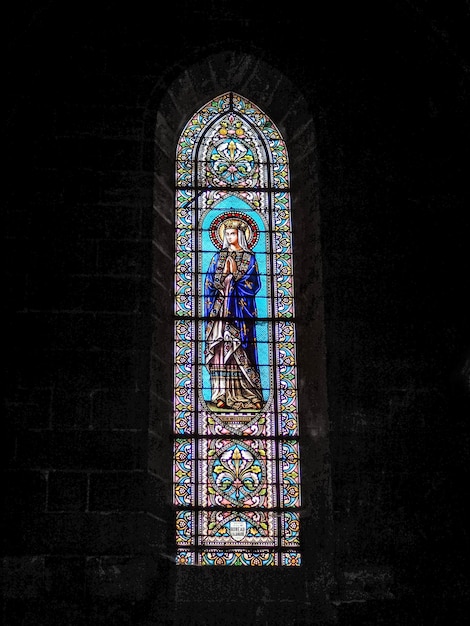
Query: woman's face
[[231, 235]]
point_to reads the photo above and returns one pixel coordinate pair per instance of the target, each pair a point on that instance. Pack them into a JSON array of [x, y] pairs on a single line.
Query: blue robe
[[230, 310]]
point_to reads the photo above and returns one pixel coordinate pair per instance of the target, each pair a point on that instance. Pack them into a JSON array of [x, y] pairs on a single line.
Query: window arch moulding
[[236, 450]]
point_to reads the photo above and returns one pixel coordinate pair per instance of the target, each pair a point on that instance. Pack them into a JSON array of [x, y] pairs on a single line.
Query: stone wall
[[373, 107]]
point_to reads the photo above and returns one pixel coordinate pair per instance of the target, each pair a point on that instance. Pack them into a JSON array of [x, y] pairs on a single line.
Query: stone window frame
[[168, 110]]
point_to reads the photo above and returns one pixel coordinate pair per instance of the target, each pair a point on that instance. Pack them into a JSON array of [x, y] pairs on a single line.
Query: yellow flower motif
[[293, 559]]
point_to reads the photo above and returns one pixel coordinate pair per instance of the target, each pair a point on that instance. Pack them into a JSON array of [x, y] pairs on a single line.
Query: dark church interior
[[373, 100]]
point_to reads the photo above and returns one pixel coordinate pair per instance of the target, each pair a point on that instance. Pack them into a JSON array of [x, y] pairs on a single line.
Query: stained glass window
[[236, 448]]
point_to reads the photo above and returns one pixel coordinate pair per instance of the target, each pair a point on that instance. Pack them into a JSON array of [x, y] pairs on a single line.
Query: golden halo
[[233, 219]]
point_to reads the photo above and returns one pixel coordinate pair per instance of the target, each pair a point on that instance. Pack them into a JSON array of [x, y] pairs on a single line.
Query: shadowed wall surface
[[374, 109]]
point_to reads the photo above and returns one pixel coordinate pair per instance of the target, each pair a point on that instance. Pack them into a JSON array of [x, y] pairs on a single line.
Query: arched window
[[236, 453]]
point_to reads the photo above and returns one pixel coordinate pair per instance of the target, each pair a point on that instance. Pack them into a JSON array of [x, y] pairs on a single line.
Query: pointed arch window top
[[234, 144]]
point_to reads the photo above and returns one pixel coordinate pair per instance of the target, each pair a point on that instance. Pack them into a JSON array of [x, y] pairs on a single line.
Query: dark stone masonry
[[373, 103]]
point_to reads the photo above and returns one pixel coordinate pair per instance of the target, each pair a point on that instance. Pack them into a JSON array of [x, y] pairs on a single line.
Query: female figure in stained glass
[[232, 281]]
